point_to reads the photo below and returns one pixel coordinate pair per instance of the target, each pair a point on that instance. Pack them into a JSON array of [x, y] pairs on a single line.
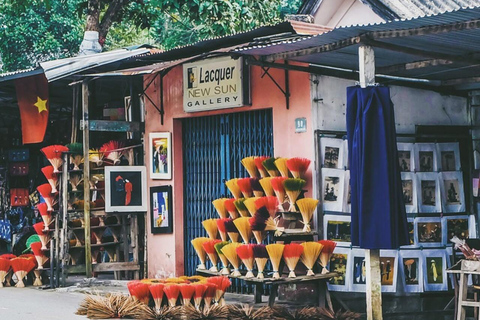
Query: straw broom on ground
[[311, 252], [246, 312], [187, 291], [4, 269], [275, 252], [172, 291], [222, 284], [307, 207], [156, 290]]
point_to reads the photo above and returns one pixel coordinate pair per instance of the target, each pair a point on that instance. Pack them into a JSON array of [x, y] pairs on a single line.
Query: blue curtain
[[378, 212]]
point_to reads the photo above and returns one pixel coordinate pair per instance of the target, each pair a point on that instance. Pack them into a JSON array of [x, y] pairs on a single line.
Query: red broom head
[[259, 162], [48, 172], [229, 205], [39, 228], [111, 145], [4, 265], [244, 251], [299, 165], [328, 246], [22, 264], [292, 250], [187, 291], [172, 291], [139, 290], [157, 290], [230, 226], [221, 224], [54, 151], [209, 246], [220, 282], [270, 202], [45, 190], [36, 248], [43, 209], [7, 256], [245, 185], [210, 291], [199, 290], [277, 183], [257, 223]]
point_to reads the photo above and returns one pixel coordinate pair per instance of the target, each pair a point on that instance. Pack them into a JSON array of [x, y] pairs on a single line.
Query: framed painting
[[340, 263], [389, 270], [337, 228], [461, 226], [411, 270], [333, 189], [161, 209], [405, 156], [333, 153], [428, 192], [453, 196], [409, 190], [434, 270], [429, 232], [426, 157], [125, 189], [449, 154], [160, 146], [358, 270]]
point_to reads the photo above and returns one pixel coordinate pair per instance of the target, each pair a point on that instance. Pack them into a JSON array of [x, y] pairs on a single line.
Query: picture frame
[[358, 278], [333, 193], [389, 270], [449, 156], [347, 199], [428, 232], [406, 156], [428, 192], [462, 226], [332, 153], [161, 209], [434, 270], [337, 228], [160, 160], [411, 272], [340, 262], [409, 190], [412, 231], [452, 189], [426, 157], [125, 189]]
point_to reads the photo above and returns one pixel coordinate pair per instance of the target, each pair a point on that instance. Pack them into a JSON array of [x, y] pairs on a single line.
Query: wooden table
[[319, 279], [462, 301]]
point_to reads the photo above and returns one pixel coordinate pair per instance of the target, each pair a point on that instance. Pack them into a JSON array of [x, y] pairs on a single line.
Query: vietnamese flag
[[32, 97]]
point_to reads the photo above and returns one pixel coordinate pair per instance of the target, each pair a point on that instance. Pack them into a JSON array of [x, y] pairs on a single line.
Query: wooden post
[[86, 177], [64, 209], [372, 257]]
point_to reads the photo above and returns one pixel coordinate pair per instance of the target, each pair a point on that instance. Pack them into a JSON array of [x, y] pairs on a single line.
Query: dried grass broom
[[311, 252], [219, 205], [259, 164], [307, 207], [210, 226], [266, 184], [197, 244], [230, 252], [291, 255], [243, 227], [281, 164], [298, 167], [218, 247], [249, 164], [245, 253], [234, 189], [275, 252], [293, 188]]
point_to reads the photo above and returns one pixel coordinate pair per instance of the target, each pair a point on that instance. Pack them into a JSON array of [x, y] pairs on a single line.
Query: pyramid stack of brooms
[[275, 184]]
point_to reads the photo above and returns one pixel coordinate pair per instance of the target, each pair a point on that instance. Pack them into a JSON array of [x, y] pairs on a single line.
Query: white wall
[[336, 13], [412, 106]]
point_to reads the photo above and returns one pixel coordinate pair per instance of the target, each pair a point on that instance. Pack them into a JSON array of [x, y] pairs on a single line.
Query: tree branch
[[110, 16]]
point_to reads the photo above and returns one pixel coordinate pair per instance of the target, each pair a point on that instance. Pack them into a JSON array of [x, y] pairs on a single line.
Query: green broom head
[[294, 184], [220, 245], [75, 148], [269, 164], [240, 205], [33, 238]]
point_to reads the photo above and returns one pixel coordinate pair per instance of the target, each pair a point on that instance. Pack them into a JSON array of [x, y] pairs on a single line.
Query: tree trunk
[[93, 16], [112, 14]]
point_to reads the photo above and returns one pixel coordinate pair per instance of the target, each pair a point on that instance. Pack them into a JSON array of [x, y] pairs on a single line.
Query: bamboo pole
[[86, 177]]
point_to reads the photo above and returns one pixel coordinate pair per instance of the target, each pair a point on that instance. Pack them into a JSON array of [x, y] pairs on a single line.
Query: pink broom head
[[4, 265], [209, 246], [139, 291], [43, 209], [187, 291], [259, 251], [245, 186], [156, 290], [270, 203], [7, 256], [22, 264], [292, 250], [328, 246], [277, 183], [230, 226], [172, 291], [257, 223], [54, 151], [298, 166], [45, 190], [39, 227], [221, 224], [245, 251]]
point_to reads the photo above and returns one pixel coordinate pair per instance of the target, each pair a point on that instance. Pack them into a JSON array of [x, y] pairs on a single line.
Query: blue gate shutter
[[379, 220]]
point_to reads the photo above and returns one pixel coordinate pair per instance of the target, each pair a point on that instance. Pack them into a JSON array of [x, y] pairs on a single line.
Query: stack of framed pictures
[[434, 195]]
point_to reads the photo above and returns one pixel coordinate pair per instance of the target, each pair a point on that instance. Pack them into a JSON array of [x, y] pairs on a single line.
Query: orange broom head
[[45, 190], [243, 228], [22, 264], [219, 205], [281, 164], [259, 162], [156, 290], [8, 256], [230, 207], [291, 255], [172, 291], [221, 224], [270, 203], [233, 187], [43, 209], [49, 174], [54, 151], [39, 227], [275, 253], [328, 246], [249, 164], [241, 208], [277, 184], [245, 187], [187, 291], [139, 291], [311, 252], [209, 293], [222, 283], [209, 246], [210, 226], [298, 166], [250, 204]]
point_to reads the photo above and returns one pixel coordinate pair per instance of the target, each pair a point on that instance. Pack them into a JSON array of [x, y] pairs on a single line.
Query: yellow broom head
[[307, 207], [291, 255], [249, 164], [197, 244], [95, 156], [267, 186], [275, 252], [293, 188], [281, 164], [311, 252], [230, 252], [211, 227], [234, 189], [243, 227], [219, 205], [250, 204]]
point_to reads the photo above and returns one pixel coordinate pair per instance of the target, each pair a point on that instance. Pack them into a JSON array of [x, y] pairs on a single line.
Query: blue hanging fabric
[[379, 220]]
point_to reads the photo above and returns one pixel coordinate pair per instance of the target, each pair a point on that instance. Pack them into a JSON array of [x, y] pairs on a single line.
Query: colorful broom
[[231, 208], [311, 251], [219, 205], [209, 295], [139, 290], [51, 177], [21, 266], [45, 191], [234, 189], [250, 205], [245, 252], [187, 291], [275, 252], [241, 208], [293, 188], [307, 207], [281, 164], [326, 254], [256, 187], [209, 247], [291, 255], [279, 189], [45, 214], [54, 155], [202, 255], [44, 237], [76, 154], [4, 269], [261, 258], [96, 156], [269, 165], [75, 180], [210, 226], [266, 184], [232, 230], [39, 256], [258, 226], [221, 283], [245, 186], [249, 164], [218, 247], [260, 167], [221, 228], [230, 252], [172, 291], [156, 290], [298, 167], [200, 289], [270, 203], [243, 227], [111, 151]]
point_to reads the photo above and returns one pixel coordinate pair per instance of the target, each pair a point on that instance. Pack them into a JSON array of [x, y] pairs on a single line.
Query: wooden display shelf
[[104, 267], [97, 245], [98, 227]]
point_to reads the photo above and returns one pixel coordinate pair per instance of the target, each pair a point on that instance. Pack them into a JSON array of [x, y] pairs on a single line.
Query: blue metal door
[[213, 147]]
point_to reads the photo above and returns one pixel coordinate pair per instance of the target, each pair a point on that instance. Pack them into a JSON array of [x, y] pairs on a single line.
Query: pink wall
[[165, 252]]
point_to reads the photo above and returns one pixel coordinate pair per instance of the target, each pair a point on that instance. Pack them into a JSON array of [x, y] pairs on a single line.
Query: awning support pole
[[372, 256]]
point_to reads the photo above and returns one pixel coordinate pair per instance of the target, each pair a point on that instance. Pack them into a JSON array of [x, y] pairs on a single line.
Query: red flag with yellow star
[[32, 97]]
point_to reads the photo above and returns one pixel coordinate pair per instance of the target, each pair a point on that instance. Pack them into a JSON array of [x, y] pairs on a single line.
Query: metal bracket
[[286, 91], [160, 110]]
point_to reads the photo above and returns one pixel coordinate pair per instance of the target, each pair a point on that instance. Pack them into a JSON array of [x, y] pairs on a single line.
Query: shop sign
[[212, 84], [301, 125]]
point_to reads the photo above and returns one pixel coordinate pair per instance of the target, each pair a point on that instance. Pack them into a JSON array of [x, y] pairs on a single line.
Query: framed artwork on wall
[[411, 270], [428, 192], [125, 189], [333, 189], [160, 144], [426, 157], [161, 209], [449, 154], [406, 156], [409, 190], [453, 197], [340, 263], [333, 153]]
